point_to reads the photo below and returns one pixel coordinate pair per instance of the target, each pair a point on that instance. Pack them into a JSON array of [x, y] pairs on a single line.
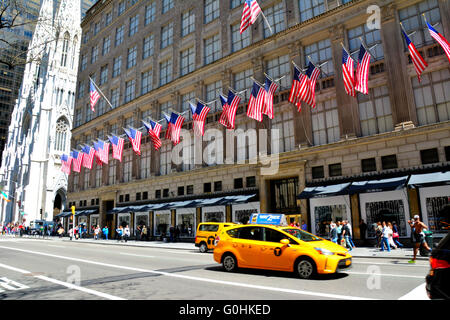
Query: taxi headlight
[[325, 252]]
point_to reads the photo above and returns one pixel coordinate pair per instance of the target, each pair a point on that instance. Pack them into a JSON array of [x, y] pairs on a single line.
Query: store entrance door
[[283, 196]]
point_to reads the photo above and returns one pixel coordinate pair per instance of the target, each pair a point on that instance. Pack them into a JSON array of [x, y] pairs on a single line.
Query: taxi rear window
[[208, 227]]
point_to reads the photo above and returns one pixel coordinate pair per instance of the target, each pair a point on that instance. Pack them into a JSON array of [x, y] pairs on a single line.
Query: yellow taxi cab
[[207, 233], [282, 248]]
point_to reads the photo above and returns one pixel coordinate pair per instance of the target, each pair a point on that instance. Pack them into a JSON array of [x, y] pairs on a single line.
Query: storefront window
[[94, 222], [324, 215], [438, 213], [141, 219], [162, 224], [186, 223], [214, 217], [124, 220], [242, 212], [388, 211]]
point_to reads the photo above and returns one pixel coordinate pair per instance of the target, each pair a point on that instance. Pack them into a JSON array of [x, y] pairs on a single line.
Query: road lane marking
[[136, 255], [405, 264], [179, 276], [55, 246], [64, 284], [384, 274], [419, 293]]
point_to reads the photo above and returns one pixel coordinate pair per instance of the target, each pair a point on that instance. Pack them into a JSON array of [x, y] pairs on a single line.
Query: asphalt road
[[32, 269]]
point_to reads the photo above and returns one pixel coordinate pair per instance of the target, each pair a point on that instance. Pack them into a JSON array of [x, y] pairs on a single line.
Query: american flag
[[312, 73], [362, 71], [168, 134], [135, 138], [102, 151], [176, 121], [419, 63], [256, 103], [77, 158], [296, 83], [154, 129], [348, 73], [66, 162], [199, 114], [440, 38], [88, 157], [117, 147], [93, 95], [270, 87], [229, 105], [250, 14]]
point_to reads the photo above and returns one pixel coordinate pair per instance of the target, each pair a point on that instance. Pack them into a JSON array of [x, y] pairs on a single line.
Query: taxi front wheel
[[229, 262], [203, 247], [305, 268]]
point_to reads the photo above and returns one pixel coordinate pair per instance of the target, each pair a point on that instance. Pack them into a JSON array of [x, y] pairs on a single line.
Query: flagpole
[[267, 22], [261, 85], [95, 85]]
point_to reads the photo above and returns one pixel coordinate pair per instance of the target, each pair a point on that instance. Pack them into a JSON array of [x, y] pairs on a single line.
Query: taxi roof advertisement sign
[[277, 219]]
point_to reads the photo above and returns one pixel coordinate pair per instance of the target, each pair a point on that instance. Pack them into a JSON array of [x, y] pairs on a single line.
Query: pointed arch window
[[65, 50], [61, 136]]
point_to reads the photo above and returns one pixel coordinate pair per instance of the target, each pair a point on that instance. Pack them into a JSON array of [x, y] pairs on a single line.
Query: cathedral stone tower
[[41, 122]]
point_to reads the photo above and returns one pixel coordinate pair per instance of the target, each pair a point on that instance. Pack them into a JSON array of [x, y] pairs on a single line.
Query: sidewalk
[[359, 252]]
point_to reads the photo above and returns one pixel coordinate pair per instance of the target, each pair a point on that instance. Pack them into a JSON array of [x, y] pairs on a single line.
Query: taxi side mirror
[[284, 242]]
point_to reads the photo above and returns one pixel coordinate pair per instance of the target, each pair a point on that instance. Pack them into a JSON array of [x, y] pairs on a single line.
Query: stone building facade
[[150, 57]]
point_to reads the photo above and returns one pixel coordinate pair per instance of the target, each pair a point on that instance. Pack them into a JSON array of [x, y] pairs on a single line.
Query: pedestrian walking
[[396, 234], [96, 232], [385, 233], [172, 233], [417, 227], [119, 231], [350, 234], [339, 231], [378, 233], [144, 233], [346, 235], [126, 233], [304, 226], [105, 232], [391, 239], [362, 231], [333, 232]]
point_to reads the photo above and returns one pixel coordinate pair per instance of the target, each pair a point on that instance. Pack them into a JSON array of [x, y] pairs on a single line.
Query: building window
[[375, 111], [115, 94], [111, 171], [134, 25], [432, 97], [447, 153], [279, 67], [127, 197], [283, 196], [130, 90], [250, 182], [429, 156], [211, 94], [145, 164], [211, 10], [81, 88], [310, 9], [235, 3], [180, 191], [65, 50], [238, 183], [94, 54], [389, 162], [190, 189], [238, 40], [127, 163], [131, 58], [119, 36], [165, 72], [117, 66], [212, 49], [108, 18], [165, 106], [217, 186], [146, 82], [62, 129], [87, 174], [325, 122], [103, 75], [148, 47], [78, 117], [335, 170], [321, 54], [165, 159], [187, 23], [83, 62], [318, 172], [166, 35], [96, 28], [283, 122], [206, 187], [276, 17], [158, 194], [138, 196], [368, 165], [371, 38], [165, 193], [185, 98], [414, 24], [121, 8], [106, 45], [187, 61], [145, 195], [98, 176], [167, 5], [242, 81]]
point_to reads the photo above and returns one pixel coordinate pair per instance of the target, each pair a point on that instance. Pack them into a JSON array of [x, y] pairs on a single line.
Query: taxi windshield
[[302, 235]]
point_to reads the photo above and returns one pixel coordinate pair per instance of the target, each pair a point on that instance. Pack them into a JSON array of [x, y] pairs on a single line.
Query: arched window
[[65, 49], [62, 129], [74, 52]]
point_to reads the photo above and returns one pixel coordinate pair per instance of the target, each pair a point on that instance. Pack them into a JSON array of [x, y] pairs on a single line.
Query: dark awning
[[429, 179], [378, 185], [324, 191]]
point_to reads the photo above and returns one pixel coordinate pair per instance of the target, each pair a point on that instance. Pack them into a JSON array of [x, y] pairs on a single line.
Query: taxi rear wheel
[[229, 262], [305, 268], [203, 247]]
